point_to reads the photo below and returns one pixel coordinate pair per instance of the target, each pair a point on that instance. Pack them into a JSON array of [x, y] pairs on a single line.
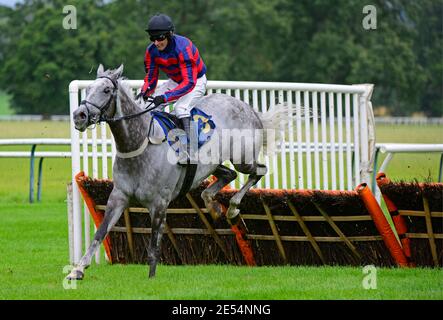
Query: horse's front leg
[[158, 219], [116, 204]]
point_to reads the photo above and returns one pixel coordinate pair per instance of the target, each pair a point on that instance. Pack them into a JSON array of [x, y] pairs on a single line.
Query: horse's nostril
[[82, 115]]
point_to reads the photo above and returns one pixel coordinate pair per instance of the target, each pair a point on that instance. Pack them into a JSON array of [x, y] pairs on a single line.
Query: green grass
[[409, 166], [34, 129], [34, 252], [34, 243]]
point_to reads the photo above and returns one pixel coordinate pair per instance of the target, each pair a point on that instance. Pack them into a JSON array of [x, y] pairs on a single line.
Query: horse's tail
[[275, 122]]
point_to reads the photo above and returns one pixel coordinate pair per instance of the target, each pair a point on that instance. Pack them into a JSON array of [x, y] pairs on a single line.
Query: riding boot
[[185, 156]]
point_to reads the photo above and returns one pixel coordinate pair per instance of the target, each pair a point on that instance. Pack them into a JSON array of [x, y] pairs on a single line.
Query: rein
[[130, 116], [103, 118], [105, 107]]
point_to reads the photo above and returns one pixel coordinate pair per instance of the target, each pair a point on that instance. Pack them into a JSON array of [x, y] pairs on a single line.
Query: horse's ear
[[118, 73], [100, 70]]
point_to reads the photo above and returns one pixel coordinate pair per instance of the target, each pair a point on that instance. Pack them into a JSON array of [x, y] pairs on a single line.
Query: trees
[[428, 49], [42, 57], [272, 40]]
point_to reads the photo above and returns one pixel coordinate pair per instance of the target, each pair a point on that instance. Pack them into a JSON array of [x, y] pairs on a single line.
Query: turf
[[34, 254]]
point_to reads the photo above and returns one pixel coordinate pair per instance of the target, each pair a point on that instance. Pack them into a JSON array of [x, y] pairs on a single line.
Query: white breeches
[[184, 104]]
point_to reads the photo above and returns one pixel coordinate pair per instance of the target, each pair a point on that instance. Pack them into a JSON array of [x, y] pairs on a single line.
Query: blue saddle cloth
[[200, 121]]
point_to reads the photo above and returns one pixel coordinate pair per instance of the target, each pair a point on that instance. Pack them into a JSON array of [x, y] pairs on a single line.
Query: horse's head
[[100, 100]]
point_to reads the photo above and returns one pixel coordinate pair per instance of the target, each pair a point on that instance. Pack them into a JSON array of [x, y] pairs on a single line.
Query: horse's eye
[[107, 90]]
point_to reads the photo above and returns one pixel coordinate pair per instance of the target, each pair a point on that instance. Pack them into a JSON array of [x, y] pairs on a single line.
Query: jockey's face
[[161, 44]]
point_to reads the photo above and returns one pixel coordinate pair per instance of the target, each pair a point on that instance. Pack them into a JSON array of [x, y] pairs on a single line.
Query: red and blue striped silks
[[180, 61]]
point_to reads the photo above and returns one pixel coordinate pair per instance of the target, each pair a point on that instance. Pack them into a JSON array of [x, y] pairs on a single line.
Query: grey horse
[[144, 169]]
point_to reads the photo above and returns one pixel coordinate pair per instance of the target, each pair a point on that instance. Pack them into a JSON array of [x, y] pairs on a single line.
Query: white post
[[299, 141], [332, 140], [264, 109], [274, 158], [348, 141], [324, 141], [284, 182], [293, 183], [70, 223], [94, 154], [308, 139], [241, 177], [255, 106], [104, 146], [75, 160], [366, 145], [356, 108], [316, 149], [341, 168]]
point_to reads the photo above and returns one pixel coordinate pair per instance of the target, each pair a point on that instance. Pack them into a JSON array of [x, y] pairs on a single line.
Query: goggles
[[159, 37]]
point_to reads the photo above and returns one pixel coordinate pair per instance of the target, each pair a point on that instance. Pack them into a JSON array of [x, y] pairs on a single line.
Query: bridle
[[105, 106], [113, 97]]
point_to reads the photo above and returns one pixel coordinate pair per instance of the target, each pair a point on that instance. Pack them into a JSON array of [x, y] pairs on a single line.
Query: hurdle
[[416, 210], [277, 227]]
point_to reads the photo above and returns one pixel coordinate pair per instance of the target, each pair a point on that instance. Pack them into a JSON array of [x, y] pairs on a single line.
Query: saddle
[[203, 126]]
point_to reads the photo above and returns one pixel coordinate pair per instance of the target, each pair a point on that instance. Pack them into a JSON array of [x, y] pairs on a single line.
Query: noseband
[[105, 106]]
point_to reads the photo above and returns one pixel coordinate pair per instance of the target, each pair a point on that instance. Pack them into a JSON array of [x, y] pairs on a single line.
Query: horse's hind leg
[[256, 172], [116, 204], [224, 175]]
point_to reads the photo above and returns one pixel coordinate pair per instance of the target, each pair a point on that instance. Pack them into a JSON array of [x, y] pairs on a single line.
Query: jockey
[[180, 60]]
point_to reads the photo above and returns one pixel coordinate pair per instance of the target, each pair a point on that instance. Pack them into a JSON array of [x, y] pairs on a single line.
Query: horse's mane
[[125, 93]]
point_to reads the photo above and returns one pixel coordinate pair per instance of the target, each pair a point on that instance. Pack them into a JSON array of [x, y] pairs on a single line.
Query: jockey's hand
[[158, 100]]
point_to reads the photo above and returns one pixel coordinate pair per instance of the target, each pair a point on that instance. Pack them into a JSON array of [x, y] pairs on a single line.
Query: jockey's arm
[[188, 70], [151, 78]]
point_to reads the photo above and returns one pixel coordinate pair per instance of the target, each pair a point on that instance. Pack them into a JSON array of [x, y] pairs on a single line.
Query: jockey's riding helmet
[[160, 24]]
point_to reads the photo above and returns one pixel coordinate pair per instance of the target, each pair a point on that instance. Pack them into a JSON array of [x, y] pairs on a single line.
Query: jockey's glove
[[158, 100]]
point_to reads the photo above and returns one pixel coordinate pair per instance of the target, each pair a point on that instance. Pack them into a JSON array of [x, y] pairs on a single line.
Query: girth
[[191, 169]]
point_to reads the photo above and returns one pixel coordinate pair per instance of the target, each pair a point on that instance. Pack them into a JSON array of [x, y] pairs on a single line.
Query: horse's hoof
[[215, 209], [232, 213], [75, 275], [151, 273]]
